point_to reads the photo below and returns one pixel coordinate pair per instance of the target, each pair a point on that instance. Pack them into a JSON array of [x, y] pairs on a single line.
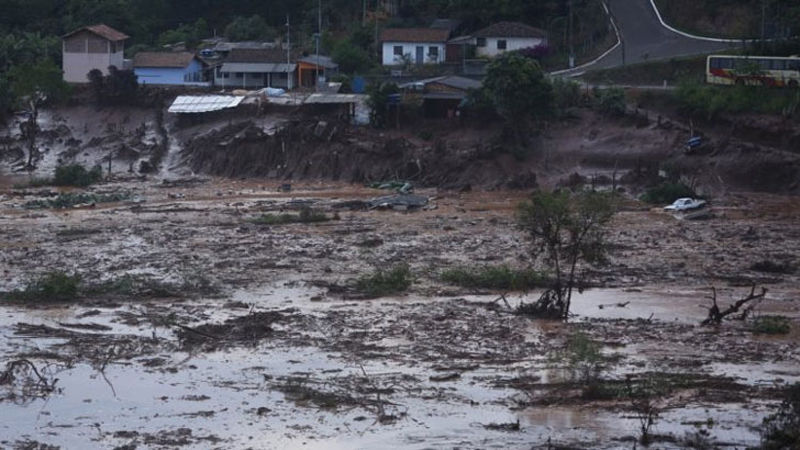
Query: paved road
[[645, 39]]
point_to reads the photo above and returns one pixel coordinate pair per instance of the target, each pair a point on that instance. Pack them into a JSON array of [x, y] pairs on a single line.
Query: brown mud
[[225, 333]]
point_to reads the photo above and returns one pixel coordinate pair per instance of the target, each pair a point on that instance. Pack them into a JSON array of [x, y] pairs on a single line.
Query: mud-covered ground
[[198, 328]]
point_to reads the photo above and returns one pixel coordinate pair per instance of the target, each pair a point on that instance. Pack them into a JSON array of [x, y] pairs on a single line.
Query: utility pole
[[763, 21], [377, 50], [288, 54], [571, 38], [319, 36], [364, 14]]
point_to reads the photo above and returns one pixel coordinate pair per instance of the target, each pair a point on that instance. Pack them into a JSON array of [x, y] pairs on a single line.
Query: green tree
[[253, 28], [519, 91], [351, 58], [190, 34], [119, 87], [564, 229], [378, 102]]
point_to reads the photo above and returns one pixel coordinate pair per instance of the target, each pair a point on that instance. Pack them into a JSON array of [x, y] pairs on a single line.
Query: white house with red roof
[[91, 47], [504, 37]]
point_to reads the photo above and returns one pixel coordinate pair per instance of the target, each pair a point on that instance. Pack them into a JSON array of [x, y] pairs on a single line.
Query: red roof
[[414, 35], [510, 30], [101, 30]]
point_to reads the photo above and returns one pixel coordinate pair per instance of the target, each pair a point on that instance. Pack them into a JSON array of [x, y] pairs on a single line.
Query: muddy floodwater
[[198, 327]]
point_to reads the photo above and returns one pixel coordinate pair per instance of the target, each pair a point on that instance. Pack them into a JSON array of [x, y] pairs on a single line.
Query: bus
[[753, 70]]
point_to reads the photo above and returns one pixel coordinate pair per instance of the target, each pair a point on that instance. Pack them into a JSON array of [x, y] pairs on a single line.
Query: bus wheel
[[739, 82], [793, 84]]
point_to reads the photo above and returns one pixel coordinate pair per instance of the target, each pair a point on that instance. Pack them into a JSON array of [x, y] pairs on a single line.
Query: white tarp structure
[[203, 103]]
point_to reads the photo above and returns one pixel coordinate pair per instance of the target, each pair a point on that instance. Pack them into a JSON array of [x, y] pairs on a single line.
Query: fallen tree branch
[[716, 315]]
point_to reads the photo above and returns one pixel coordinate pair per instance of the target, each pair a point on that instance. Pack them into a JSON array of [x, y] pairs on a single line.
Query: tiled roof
[[103, 31], [414, 35], [453, 81], [510, 30], [162, 59]]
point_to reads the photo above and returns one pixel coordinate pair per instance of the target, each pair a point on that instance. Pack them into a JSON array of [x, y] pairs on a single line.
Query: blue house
[[169, 68]]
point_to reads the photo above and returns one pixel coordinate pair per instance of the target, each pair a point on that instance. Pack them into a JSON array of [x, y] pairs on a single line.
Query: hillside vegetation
[[736, 19]]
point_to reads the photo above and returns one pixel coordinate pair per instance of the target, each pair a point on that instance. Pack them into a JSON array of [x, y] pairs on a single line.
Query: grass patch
[[71, 199], [34, 183], [651, 73], [307, 215], [667, 193], [55, 286], [386, 282], [710, 100], [500, 277], [77, 175], [771, 325], [130, 285]]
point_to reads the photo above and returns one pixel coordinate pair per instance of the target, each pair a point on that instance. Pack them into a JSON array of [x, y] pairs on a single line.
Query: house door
[[420, 54]]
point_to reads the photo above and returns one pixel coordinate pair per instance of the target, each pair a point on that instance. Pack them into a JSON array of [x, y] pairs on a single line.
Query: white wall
[[78, 65], [491, 50], [410, 48]]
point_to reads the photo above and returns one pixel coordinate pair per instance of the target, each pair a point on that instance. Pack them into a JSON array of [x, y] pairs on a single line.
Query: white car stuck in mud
[[684, 204]]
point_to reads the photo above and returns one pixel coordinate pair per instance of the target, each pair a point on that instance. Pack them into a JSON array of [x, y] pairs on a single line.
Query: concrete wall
[[171, 75], [491, 49], [410, 48], [77, 65]]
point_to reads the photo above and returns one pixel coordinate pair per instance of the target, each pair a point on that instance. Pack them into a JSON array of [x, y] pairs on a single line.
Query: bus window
[[793, 64], [721, 63], [764, 64]]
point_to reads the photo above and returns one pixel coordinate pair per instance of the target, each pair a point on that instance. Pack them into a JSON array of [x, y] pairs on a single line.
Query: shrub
[[566, 95], [70, 199], [667, 193], [500, 277], [76, 175], [782, 430], [771, 325], [584, 358], [425, 135], [385, 282], [307, 215], [610, 101], [53, 286]]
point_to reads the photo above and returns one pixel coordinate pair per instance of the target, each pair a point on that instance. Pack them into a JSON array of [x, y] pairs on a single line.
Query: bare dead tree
[[717, 315], [29, 129]]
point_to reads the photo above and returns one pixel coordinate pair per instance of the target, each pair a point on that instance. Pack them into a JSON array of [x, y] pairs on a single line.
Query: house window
[[239, 74], [113, 47], [481, 42], [433, 53], [398, 50], [501, 44], [283, 75]]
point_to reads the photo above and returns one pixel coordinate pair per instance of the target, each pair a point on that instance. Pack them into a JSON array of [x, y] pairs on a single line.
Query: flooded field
[[204, 328]]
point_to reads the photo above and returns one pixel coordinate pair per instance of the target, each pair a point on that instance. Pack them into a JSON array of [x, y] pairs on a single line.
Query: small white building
[[91, 47], [413, 45], [502, 37]]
